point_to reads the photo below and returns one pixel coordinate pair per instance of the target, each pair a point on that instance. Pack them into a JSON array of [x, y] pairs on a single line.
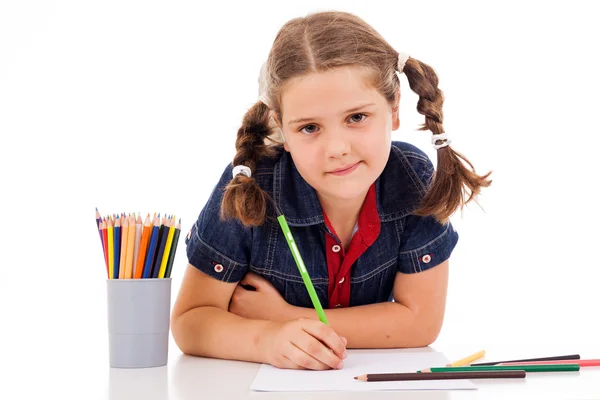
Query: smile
[[346, 170]]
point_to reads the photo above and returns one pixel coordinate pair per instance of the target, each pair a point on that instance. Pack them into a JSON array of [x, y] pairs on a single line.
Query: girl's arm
[[414, 319], [201, 325]]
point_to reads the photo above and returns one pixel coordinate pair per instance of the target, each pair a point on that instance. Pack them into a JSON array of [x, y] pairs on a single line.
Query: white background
[[133, 106]]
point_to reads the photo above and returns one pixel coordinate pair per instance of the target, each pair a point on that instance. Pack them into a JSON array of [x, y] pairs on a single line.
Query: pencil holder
[[138, 322]]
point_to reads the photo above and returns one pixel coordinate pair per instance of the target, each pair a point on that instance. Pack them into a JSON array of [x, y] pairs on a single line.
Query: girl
[[370, 217]]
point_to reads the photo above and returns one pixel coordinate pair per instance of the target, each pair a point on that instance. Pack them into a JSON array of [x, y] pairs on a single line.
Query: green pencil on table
[[302, 268]]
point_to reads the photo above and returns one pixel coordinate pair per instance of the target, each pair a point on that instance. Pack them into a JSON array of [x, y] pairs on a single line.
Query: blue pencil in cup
[[117, 247], [151, 249], [302, 268]]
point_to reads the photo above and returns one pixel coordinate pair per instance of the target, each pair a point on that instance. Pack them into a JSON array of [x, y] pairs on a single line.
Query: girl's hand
[[304, 344], [264, 302]]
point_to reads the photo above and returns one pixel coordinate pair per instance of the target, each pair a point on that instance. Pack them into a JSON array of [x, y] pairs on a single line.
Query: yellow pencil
[[467, 360], [163, 263], [111, 243], [130, 246], [123, 251]]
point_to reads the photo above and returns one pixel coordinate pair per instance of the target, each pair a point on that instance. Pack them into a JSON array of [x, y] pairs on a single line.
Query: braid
[[453, 184], [243, 198]]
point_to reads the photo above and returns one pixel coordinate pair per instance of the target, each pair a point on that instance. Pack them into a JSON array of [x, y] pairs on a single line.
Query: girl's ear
[[285, 145]]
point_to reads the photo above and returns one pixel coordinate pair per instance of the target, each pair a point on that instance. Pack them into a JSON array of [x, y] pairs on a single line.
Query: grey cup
[[138, 322]]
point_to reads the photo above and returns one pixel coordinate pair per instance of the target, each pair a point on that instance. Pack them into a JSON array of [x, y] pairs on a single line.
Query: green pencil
[[526, 368], [302, 269]]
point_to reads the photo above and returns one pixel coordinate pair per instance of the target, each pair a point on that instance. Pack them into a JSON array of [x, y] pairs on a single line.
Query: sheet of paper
[[359, 362]]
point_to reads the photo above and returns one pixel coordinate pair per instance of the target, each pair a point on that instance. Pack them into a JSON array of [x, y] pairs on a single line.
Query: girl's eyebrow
[[295, 121]]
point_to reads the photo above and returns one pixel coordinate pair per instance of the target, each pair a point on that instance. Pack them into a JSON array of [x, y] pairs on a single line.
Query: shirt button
[[342, 280], [426, 258], [336, 248], [218, 268]]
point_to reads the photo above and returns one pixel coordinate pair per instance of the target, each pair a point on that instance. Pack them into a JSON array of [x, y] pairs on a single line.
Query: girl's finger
[[302, 360], [326, 335], [317, 350]]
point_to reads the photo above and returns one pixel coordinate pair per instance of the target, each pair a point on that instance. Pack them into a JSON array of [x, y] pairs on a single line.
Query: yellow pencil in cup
[[467, 360], [163, 263], [111, 250], [123, 251], [130, 246]]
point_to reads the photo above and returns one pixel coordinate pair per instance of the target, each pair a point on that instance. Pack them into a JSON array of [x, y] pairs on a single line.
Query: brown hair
[[327, 40]]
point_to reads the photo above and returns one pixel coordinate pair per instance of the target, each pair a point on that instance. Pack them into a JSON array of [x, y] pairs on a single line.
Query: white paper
[[359, 362]]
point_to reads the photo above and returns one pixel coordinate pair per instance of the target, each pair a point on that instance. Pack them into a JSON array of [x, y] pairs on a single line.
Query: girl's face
[[338, 131]]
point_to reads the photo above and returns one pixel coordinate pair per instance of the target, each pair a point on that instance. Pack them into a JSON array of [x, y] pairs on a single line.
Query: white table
[[193, 378]]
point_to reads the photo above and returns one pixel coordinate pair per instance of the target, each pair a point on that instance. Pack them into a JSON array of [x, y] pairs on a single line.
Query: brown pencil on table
[[416, 376]]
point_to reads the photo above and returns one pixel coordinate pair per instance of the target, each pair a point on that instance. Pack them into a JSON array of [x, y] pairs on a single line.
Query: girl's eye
[[361, 117], [310, 129]]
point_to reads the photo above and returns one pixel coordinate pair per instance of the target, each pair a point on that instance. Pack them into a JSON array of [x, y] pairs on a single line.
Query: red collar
[[369, 223]]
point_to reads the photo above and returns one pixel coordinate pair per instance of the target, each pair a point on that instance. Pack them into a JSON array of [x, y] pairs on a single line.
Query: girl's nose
[[337, 143]]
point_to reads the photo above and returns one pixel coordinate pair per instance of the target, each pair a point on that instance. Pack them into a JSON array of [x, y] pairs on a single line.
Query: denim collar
[[398, 191]]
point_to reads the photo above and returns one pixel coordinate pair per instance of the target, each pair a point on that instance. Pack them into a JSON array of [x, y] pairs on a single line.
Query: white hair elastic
[[241, 169], [441, 136], [402, 58]]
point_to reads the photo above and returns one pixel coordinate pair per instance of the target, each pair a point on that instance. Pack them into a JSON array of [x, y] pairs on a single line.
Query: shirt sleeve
[[217, 247], [424, 242]]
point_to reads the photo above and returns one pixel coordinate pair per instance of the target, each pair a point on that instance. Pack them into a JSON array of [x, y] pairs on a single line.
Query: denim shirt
[[226, 250]]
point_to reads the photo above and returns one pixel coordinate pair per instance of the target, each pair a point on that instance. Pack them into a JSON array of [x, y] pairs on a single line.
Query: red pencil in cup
[[104, 235], [138, 240]]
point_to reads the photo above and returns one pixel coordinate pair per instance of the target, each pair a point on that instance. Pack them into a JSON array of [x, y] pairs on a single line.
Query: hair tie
[[441, 136], [402, 58], [241, 169]]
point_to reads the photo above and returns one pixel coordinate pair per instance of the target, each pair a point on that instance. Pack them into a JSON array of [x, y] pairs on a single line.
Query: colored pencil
[[158, 239], [165, 257], [567, 357], [161, 249], [130, 244], [173, 249], [467, 360], [526, 368], [124, 238], [581, 363], [136, 250], [99, 227], [111, 249], [98, 218], [146, 232], [151, 250], [415, 376], [138, 239], [117, 240], [302, 268]]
